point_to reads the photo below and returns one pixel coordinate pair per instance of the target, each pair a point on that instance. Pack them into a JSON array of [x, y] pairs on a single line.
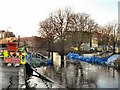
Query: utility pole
[[90, 35], [18, 40], [62, 52], [8, 31], [114, 41]]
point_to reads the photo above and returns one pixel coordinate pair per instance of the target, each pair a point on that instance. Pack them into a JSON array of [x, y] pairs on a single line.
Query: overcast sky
[[23, 16]]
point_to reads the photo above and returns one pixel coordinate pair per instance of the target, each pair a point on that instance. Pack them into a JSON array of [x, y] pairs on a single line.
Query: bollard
[[28, 70], [113, 72], [22, 78]]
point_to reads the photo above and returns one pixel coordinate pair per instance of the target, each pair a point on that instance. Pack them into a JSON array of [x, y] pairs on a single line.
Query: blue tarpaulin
[[96, 60], [72, 56]]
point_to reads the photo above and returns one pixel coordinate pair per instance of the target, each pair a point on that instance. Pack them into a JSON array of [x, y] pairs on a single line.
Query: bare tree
[[82, 27], [59, 25], [105, 36], [114, 28], [108, 35], [62, 25], [55, 27], [47, 31]]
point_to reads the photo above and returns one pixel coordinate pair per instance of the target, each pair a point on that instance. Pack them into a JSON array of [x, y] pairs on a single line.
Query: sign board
[[11, 60]]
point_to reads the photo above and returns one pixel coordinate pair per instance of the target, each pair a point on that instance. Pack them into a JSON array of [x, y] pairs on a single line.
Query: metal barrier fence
[[38, 60]]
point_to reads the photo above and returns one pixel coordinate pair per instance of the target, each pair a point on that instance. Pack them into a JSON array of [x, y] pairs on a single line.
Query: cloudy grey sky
[[23, 16]]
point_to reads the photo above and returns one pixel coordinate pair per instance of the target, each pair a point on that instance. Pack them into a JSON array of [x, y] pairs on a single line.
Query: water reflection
[[103, 77], [71, 76], [83, 75]]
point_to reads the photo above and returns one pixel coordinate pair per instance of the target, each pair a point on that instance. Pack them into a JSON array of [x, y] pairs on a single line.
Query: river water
[[89, 76]]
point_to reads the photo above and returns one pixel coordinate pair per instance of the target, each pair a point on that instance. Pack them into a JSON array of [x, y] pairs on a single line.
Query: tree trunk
[[114, 47], [62, 61], [48, 54], [52, 57], [90, 40], [62, 53]]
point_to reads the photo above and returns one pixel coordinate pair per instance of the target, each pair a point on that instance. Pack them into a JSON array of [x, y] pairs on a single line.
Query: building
[[94, 41], [6, 36], [34, 44]]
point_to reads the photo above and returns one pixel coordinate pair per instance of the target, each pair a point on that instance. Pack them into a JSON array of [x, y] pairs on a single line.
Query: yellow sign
[[76, 48]]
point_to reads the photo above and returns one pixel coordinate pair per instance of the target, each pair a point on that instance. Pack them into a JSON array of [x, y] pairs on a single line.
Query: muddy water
[[90, 76]]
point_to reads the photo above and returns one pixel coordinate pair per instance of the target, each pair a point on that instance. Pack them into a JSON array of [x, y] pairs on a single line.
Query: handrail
[[40, 75]]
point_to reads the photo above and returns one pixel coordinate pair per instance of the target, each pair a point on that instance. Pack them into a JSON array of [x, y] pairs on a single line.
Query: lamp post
[[114, 41], [8, 28], [8, 31]]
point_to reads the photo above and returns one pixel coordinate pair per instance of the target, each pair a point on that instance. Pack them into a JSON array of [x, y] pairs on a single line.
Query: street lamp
[[8, 31], [114, 43], [8, 28], [114, 39]]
